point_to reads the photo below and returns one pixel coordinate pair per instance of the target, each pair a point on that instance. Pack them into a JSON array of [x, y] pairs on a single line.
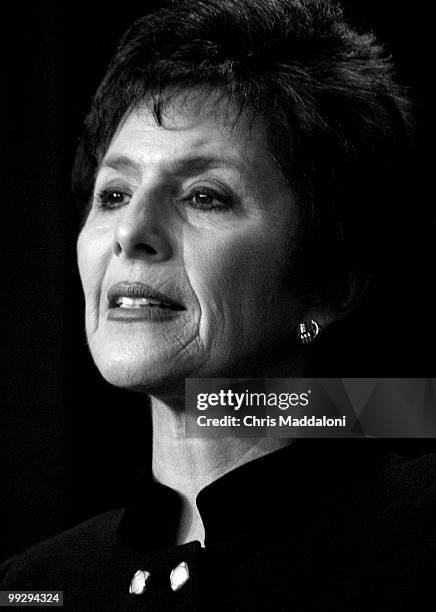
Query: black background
[[70, 445]]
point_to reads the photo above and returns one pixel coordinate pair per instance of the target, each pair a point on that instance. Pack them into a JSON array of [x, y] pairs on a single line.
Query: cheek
[[92, 257], [229, 275]]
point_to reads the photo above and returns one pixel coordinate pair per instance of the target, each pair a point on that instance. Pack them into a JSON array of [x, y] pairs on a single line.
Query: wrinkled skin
[[218, 234]]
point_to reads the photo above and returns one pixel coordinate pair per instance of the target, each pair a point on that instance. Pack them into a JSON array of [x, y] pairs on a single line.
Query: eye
[[207, 199], [112, 198]]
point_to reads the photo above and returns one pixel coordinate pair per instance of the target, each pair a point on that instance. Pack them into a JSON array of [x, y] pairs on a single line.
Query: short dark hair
[[338, 121]]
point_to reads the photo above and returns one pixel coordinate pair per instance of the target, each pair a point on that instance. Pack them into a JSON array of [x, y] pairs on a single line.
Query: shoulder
[[399, 495], [85, 545], [408, 484], [396, 517]]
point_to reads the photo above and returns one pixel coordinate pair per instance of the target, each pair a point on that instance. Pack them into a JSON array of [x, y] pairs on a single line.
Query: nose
[[142, 229]]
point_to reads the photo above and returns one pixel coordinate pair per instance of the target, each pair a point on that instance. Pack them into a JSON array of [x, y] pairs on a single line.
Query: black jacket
[[320, 525]]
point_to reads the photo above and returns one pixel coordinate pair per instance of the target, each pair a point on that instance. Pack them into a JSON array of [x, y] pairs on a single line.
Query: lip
[[169, 309]]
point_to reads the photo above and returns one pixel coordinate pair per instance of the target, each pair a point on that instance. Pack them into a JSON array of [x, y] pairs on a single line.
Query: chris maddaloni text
[[282, 421]]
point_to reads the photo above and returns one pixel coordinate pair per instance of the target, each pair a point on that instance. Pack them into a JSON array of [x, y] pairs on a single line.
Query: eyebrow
[[119, 162], [184, 166]]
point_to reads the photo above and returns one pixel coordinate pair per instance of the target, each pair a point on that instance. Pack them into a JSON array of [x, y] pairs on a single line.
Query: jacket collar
[[284, 492]]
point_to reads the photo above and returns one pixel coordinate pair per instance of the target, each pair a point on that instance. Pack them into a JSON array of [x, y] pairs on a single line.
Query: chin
[[140, 373]]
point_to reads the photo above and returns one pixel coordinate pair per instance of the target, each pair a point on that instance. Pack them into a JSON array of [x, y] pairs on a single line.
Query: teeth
[[139, 302]]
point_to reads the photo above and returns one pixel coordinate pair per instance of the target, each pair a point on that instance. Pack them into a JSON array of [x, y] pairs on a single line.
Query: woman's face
[[188, 257]]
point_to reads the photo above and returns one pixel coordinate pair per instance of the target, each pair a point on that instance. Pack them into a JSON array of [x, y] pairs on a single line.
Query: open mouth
[[140, 302], [131, 299]]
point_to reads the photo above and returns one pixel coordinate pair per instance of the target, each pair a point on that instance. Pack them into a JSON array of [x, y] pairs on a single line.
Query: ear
[[331, 309]]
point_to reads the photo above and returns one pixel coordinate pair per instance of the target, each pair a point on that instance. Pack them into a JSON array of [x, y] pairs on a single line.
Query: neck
[[187, 465]]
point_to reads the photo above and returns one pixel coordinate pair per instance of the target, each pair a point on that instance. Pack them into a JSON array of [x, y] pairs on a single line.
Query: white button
[[179, 576], [138, 584]]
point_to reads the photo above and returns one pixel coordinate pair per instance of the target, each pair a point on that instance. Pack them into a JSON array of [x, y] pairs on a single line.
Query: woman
[[228, 169]]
